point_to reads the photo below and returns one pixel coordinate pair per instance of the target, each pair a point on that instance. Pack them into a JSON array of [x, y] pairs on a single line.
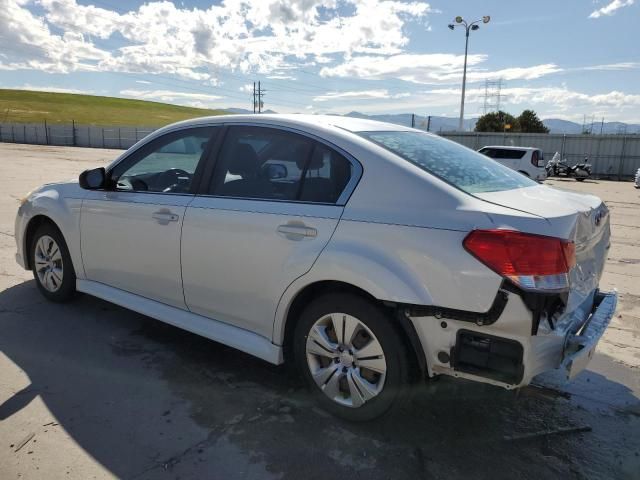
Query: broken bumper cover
[[579, 346], [504, 352]]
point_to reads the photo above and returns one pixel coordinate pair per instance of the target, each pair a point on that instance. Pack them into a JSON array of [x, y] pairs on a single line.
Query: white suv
[[526, 160], [369, 254]]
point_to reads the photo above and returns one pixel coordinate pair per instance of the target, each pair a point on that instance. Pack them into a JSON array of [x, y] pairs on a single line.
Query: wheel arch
[[32, 227], [393, 310]]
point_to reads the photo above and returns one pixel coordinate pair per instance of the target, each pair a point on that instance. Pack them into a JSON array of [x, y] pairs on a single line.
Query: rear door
[[270, 206]]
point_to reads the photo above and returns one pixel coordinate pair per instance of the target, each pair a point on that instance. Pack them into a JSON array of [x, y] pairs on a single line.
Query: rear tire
[[351, 356], [51, 264]]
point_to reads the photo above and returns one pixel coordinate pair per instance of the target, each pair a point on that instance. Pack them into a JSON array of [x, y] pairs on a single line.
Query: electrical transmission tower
[[492, 95], [258, 93]]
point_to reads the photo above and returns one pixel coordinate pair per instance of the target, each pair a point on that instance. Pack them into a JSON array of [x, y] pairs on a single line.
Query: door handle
[[294, 231], [165, 216]]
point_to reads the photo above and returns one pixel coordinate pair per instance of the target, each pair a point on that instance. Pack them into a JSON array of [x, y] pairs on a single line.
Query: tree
[[497, 122], [530, 123]]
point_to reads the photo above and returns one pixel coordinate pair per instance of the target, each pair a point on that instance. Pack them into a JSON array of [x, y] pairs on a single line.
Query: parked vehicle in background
[[369, 254], [561, 168], [637, 182], [526, 160]]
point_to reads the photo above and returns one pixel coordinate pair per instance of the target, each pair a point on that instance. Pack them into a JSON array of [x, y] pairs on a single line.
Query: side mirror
[[276, 171], [93, 179]]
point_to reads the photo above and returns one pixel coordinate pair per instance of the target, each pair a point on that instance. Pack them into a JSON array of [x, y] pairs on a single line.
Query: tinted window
[[258, 162], [266, 163], [461, 167], [326, 176], [167, 164]]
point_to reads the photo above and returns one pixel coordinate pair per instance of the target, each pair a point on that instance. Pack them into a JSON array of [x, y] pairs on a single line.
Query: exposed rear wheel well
[[32, 227], [393, 311]]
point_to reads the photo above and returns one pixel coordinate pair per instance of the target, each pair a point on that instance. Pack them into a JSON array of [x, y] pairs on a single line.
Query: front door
[[274, 201], [131, 232]]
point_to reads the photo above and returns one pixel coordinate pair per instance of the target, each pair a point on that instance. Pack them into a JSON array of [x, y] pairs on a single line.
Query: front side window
[[459, 166], [167, 164], [271, 164]]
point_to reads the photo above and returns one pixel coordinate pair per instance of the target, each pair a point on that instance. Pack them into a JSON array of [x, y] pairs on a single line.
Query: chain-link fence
[[612, 156], [72, 135]]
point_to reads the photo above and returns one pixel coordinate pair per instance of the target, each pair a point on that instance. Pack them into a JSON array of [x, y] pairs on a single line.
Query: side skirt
[[221, 332]]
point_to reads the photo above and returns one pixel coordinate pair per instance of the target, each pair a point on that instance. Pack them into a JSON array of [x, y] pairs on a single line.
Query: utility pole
[[260, 94], [257, 98]]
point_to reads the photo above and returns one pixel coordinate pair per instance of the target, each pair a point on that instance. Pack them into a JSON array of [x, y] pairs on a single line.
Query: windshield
[[459, 166]]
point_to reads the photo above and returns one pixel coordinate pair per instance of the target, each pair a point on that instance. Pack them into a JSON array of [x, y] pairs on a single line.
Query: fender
[[62, 204], [376, 272]]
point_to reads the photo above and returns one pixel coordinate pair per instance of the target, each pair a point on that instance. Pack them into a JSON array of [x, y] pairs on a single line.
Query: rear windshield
[[459, 166]]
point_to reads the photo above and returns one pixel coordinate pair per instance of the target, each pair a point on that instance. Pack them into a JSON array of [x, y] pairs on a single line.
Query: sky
[[563, 58]]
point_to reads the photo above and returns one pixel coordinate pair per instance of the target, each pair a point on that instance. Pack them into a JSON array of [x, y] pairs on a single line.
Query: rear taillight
[[536, 161], [533, 262]]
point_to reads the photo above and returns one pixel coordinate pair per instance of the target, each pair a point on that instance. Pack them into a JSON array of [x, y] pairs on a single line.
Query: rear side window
[[271, 164], [459, 166], [506, 153], [326, 176]]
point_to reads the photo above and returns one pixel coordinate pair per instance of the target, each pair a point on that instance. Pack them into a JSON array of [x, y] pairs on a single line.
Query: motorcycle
[[560, 168]]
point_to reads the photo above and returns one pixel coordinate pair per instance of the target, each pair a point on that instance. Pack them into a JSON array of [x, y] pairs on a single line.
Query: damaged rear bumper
[[505, 353], [579, 346]]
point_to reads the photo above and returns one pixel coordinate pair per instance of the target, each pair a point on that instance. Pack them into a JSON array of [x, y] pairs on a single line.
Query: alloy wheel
[[345, 359], [48, 263]]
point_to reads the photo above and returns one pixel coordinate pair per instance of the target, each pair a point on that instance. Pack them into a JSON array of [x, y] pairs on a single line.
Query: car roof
[[507, 147], [350, 124]]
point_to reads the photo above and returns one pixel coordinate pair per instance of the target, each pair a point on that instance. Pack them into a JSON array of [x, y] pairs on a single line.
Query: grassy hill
[[26, 106]]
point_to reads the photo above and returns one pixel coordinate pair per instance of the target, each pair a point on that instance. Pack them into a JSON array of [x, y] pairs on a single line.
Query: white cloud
[[159, 37], [170, 96], [36, 88], [611, 8], [431, 68], [613, 66], [418, 68], [359, 95]]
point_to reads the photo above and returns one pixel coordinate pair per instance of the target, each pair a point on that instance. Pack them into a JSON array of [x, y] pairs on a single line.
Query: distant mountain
[[448, 124], [435, 124], [241, 111]]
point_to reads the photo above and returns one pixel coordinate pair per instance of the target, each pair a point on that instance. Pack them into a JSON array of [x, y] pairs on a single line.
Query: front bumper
[[505, 353]]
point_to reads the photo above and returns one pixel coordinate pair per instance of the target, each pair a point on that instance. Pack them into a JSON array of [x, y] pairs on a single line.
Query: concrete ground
[[101, 392]]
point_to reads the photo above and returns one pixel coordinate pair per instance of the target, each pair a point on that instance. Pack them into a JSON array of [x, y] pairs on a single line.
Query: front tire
[[51, 264], [351, 355]]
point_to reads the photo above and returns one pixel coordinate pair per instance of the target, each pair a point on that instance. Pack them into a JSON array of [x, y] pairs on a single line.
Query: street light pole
[[464, 81], [467, 27]]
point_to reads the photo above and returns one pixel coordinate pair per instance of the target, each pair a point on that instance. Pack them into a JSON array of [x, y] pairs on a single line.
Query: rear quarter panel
[[412, 265]]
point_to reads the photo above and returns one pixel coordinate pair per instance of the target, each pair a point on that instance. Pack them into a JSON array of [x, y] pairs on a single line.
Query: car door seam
[[184, 215], [273, 328]]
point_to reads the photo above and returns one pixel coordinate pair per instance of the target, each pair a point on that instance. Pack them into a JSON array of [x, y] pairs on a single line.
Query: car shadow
[[148, 400]]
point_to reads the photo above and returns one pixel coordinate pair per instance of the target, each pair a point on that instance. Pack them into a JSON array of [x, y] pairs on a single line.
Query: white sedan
[[369, 254]]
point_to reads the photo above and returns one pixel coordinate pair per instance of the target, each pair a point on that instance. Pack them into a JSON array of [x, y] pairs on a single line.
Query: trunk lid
[[580, 218]]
